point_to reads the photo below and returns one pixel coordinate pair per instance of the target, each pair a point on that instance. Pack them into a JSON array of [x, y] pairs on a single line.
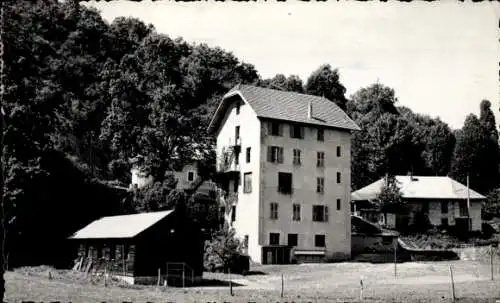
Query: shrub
[[224, 252]]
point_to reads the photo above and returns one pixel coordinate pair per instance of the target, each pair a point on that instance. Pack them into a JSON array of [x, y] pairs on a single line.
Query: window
[[444, 207], [274, 239], [237, 133], [233, 213], [190, 176], [319, 240], [321, 134], [247, 183], [296, 131], [292, 239], [275, 154], [238, 108], [320, 185], [320, 213], [338, 151], [285, 183], [338, 204], [248, 154], [296, 212], [130, 252], [338, 178], [275, 129], [296, 157], [320, 159], [464, 212], [274, 211], [444, 222]]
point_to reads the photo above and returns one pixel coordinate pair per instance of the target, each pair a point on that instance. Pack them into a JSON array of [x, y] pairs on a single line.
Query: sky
[[441, 58]]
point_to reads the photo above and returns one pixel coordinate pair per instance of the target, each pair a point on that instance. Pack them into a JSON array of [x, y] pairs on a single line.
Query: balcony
[[229, 161], [235, 145]]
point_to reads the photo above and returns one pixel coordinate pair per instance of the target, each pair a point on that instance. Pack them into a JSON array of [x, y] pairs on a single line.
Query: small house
[[138, 248], [444, 201]]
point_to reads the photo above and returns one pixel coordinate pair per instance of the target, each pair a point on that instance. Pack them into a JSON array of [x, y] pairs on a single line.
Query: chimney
[[310, 110]]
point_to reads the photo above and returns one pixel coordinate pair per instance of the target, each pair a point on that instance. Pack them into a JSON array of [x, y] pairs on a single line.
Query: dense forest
[[82, 97]]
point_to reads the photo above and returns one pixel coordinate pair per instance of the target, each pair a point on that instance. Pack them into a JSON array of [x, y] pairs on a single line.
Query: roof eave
[[214, 124], [347, 129]]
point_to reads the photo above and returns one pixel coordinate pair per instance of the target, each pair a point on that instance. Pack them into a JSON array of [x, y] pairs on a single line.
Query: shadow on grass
[[214, 283], [255, 273]]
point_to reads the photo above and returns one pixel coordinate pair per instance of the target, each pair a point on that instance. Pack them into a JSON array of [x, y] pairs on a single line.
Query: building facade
[[287, 157]]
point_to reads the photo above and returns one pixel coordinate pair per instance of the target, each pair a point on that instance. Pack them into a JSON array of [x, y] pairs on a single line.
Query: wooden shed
[[139, 248]]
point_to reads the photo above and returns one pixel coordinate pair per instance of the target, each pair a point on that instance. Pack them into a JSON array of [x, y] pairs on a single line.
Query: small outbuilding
[[367, 237], [140, 248]]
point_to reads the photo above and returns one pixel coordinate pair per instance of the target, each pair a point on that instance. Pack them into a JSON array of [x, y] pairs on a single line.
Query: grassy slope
[[422, 282]]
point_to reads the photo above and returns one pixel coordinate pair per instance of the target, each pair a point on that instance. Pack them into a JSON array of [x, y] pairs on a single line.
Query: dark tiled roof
[[287, 106]]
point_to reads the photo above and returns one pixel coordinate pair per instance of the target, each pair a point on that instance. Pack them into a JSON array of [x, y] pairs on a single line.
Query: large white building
[[287, 157]]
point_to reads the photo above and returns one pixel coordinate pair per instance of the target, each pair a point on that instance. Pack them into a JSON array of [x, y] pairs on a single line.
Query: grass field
[[338, 282]]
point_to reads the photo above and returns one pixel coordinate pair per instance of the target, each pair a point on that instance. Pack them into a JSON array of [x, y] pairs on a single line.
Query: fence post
[[230, 283], [395, 258], [105, 276], [183, 279], [361, 290], [491, 262], [282, 285], [452, 285], [166, 278]]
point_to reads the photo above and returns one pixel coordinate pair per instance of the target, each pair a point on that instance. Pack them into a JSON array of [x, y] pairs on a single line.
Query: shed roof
[[420, 187], [120, 227], [287, 106]]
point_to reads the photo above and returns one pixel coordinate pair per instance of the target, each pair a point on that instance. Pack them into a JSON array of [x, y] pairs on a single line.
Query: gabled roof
[[120, 227], [287, 106], [418, 187]]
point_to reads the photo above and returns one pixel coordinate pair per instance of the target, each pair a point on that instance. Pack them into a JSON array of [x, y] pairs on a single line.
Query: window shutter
[[280, 155], [302, 132], [269, 128], [290, 126], [326, 213], [269, 153]]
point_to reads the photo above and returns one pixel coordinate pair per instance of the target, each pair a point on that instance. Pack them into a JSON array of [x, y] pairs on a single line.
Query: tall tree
[[373, 109], [487, 119], [325, 82], [476, 155]]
